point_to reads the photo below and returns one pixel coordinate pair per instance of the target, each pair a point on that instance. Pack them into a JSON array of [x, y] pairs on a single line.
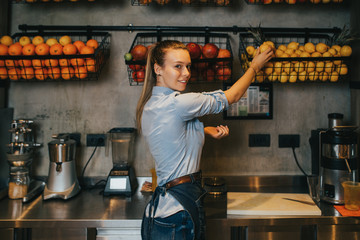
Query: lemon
[[293, 77], [260, 77], [313, 76], [319, 66], [323, 76], [329, 67], [299, 67], [250, 50], [305, 54], [316, 54], [6, 40], [289, 51], [293, 45], [282, 47], [287, 67], [333, 51], [268, 69], [271, 44], [310, 67], [273, 77], [278, 67], [283, 77], [327, 54], [301, 48], [345, 51], [334, 77], [309, 47], [302, 76], [336, 47], [279, 53], [321, 47], [342, 69]]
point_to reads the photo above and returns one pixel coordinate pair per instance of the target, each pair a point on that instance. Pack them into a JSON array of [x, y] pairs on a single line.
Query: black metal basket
[[296, 68], [202, 70], [53, 1], [75, 64], [207, 3]]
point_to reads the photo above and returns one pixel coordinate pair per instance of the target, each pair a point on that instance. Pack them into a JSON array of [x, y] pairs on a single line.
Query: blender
[[20, 156], [121, 179]]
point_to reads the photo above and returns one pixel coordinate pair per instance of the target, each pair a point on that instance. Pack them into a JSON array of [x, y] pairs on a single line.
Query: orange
[[64, 62], [38, 63], [2, 63], [3, 50], [56, 49], [3, 73], [41, 73], [90, 65], [79, 44], [54, 73], [14, 73], [87, 50], [76, 62], [92, 43], [28, 49], [27, 73], [9, 63], [25, 63], [42, 49], [81, 72], [67, 73], [69, 49], [51, 62], [15, 49]]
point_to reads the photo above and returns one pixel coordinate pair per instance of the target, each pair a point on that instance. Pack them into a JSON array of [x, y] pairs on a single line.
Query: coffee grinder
[[121, 179], [337, 157], [62, 180]]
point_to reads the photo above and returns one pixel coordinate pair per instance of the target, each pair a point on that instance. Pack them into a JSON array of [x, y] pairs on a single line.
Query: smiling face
[[175, 72]]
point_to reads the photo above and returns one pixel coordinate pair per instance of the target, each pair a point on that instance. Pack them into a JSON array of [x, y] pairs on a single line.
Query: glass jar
[[18, 183]]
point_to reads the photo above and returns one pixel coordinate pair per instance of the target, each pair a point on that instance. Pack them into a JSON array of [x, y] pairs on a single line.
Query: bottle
[[18, 183]]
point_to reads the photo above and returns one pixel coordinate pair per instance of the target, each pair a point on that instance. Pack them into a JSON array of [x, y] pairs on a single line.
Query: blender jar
[[122, 146]]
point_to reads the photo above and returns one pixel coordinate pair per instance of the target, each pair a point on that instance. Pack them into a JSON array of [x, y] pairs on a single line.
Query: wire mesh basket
[[53, 1], [294, 2], [47, 67], [301, 55], [211, 3], [203, 70]]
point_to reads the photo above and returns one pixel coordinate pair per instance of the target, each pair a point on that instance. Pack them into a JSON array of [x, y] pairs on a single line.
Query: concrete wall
[[96, 107]]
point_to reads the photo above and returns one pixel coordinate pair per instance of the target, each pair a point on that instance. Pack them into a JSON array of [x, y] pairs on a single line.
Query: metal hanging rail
[[130, 28]]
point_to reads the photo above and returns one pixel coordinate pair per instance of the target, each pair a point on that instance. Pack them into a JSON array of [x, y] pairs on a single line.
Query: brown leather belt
[[184, 179]]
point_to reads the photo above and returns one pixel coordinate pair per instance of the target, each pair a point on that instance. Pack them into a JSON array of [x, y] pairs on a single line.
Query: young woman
[[168, 121]]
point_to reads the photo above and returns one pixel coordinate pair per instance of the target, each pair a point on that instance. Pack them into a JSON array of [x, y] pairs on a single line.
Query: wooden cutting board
[[248, 203]]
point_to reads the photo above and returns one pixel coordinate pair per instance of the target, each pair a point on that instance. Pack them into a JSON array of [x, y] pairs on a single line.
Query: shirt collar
[[161, 90]]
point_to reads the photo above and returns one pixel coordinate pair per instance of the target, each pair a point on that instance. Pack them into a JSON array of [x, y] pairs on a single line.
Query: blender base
[[121, 181]]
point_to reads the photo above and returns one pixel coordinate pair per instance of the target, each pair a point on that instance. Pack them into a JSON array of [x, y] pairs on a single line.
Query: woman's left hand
[[217, 132]]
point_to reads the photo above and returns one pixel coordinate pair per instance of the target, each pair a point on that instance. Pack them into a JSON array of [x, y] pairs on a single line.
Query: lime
[[128, 56]]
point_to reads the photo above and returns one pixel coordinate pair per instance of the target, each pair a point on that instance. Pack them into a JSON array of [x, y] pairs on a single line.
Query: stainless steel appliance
[[62, 180], [121, 179], [337, 156]]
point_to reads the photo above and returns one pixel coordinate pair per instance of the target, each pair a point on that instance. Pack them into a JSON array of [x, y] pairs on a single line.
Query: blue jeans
[[178, 226]]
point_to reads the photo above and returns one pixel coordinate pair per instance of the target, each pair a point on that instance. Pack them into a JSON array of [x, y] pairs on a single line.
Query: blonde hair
[[156, 55]]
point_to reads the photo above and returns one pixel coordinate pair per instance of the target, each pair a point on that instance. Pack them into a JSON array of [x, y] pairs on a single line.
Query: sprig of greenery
[[345, 36]]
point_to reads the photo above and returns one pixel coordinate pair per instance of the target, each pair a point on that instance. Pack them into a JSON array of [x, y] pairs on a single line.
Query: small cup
[[351, 195], [314, 187]]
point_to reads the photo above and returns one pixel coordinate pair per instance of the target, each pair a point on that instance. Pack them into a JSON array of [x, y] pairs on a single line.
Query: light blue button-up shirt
[[175, 136]]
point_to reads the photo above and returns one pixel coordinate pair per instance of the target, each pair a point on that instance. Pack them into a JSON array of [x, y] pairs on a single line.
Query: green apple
[[128, 56]]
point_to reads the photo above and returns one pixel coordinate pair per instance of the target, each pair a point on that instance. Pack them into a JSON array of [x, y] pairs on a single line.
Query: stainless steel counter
[[90, 209]]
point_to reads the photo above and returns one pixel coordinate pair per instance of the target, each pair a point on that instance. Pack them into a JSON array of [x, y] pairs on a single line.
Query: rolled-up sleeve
[[191, 105]]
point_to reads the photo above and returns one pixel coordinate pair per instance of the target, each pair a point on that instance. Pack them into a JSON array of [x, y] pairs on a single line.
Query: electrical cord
[[297, 163], [88, 161]]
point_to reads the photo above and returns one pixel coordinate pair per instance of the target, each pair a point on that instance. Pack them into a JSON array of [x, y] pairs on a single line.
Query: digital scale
[[121, 179]]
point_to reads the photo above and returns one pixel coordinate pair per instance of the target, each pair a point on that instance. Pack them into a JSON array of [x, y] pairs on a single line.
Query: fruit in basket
[[315, 1], [136, 67], [345, 51], [15, 49], [293, 77], [321, 47], [139, 52], [342, 69], [41, 73], [54, 73], [3, 73], [42, 49], [263, 47], [316, 54], [278, 67], [92, 43], [64, 62], [50, 63], [37, 63], [162, 2], [6, 40], [299, 67], [64, 40], [283, 77], [69, 49], [268, 68], [80, 72], [28, 49], [293, 45], [323, 76], [79, 44], [14, 74], [329, 67], [210, 50], [303, 76], [127, 56], [87, 50], [25, 63], [51, 41], [194, 50], [77, 62], [309, 66], [222, 2], [334, 76], [67, 73], [223, 53], [24, 40], [209, 75], [313, 76], [287, 67], [319, 66], [27, 73], [9, 63], [56, 49], [3, 50], [250, 50], [138, 76], [305, 55], [266, 1], [90, 65], [145, 1], [290, 1], [223, 73], [37, 40], [309, 47], [273, 77]]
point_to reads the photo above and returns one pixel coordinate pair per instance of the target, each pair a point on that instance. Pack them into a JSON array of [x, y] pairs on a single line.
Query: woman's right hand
[[260, 59]]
